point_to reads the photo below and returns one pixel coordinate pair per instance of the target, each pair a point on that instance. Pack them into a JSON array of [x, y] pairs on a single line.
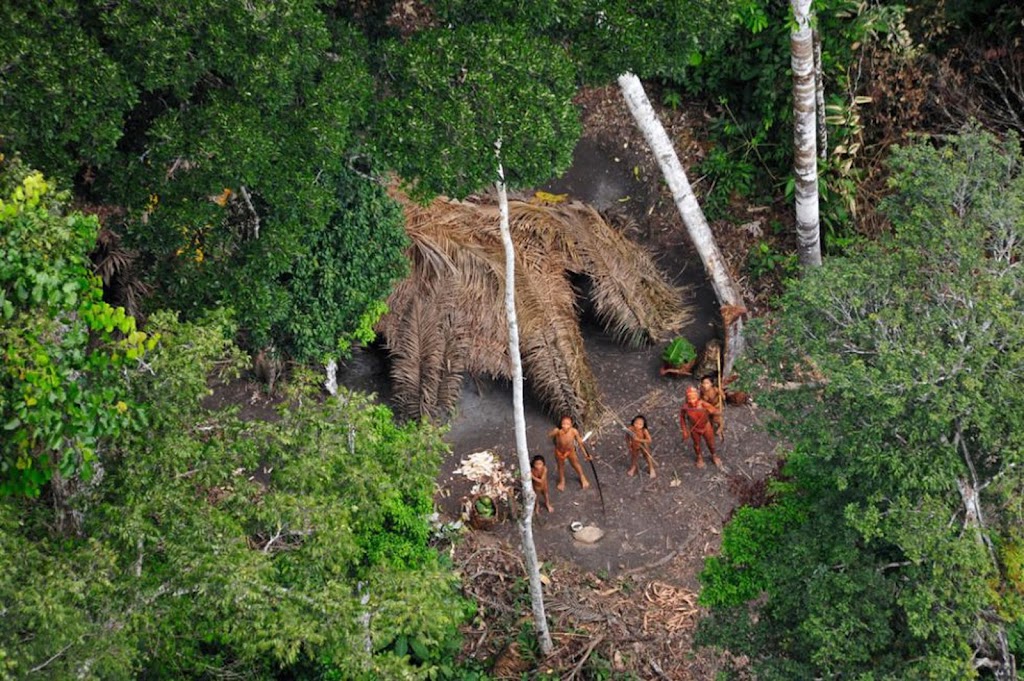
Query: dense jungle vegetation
[[187, 186]]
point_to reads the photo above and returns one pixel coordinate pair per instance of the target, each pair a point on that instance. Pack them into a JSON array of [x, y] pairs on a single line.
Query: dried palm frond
[[424, 362], [412, 354], [455, 293], [632, 299], [109, 257], [114, 264], [552, 344]]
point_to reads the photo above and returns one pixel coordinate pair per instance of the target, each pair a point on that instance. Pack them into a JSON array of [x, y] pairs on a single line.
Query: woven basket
[[481, 522]]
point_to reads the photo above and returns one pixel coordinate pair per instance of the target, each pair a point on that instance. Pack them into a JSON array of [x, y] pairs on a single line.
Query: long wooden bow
[[593, 468]]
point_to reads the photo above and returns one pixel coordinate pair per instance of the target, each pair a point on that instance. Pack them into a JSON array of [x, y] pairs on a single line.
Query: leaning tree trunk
[[805, 158], [728, 293], [519, 417]]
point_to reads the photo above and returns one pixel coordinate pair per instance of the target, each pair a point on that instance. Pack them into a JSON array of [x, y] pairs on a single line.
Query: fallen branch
[[658, 670], [727, 291], [484, 600], [586, 654], [496, 549], [57, 654], [649, 566], [494, 573], [797, 385]]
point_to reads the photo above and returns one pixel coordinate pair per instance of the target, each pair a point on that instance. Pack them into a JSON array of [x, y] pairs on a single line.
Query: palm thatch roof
[[447, 318]]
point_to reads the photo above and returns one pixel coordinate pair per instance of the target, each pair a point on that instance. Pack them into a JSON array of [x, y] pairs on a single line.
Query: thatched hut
[[447, 318]]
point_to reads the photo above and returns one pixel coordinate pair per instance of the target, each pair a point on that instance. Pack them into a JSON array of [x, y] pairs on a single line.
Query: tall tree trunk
[[519, 417], [67, 519], [726, 290], [819, 97], [805, 159]]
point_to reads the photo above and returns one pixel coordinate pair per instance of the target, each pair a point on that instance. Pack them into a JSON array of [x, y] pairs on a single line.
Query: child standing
[[565, 438], [539, 474], [713, 396], [638, 440]]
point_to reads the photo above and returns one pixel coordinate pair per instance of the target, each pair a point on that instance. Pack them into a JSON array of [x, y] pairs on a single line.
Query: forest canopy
[[899, 505], [186, 184], [185, 538]]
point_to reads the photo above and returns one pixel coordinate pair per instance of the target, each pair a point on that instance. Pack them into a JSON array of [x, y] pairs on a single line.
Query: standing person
[[713, 396], [539, 476], [565, 438], [710, 359], [695, 421], [638, 440]]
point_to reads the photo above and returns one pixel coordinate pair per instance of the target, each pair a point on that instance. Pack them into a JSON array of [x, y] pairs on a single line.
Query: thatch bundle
[[447, 318]]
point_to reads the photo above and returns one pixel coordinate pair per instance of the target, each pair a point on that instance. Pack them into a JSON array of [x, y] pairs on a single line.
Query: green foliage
[[729, 176], [649, 38], [485, 507], [347, 501], [949, 22], [678, 352], [238, 95], [842, 173], [58, 600], [764, 260], [217, 543], [742, 572], [62, 97], [671, 98], [313, 292], [454, 93], [338, 291], [749, 75], [61, 394], [1011, 592], [918, 342], [225, 132]]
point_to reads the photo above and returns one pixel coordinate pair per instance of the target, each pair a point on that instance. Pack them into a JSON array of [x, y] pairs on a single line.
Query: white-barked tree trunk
[[726, 289], [819, 97], [525, 520], [805, 153]]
